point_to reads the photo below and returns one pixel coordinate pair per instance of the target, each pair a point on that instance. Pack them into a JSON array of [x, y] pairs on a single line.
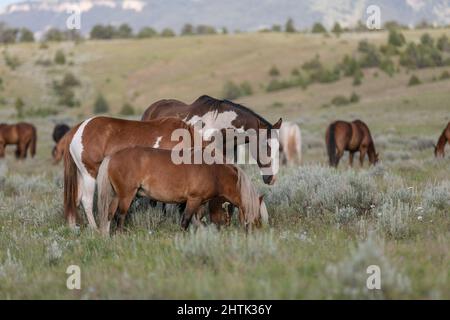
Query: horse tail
[[33, 142], [70, 187], [331, 144], [105, 194]]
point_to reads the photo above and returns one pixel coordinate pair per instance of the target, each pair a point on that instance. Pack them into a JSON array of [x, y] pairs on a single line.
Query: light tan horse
[[290, 143], [151, 173]]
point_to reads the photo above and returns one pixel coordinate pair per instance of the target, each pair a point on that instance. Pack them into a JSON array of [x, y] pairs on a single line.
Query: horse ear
[[277, 125]]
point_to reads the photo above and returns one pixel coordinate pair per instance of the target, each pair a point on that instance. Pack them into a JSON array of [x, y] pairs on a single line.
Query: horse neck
[[371, 151]]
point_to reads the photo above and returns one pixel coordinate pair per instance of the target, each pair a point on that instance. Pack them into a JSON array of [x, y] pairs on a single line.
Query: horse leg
[[339, 155], [362, 155], [105, 226], [124, 205], [2, 150], [22, 147], [350, 158], [87, 198], [192, 206]]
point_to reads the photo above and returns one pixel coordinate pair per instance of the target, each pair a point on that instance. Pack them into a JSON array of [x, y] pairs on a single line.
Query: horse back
[[165, 108]]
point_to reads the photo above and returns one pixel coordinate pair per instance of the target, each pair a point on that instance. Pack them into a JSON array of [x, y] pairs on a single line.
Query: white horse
[[290, 143]]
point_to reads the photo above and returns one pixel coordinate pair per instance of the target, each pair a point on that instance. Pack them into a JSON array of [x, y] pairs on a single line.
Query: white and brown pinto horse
[[121, 178], [290, 143], [220, 115], [91, 141]]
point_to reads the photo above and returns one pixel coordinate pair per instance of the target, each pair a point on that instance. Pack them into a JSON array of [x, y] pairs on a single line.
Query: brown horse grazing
[[218, 115], [439, 149], [352, 136], [59, 148], [21, 134], [92, 140], [151, 173]]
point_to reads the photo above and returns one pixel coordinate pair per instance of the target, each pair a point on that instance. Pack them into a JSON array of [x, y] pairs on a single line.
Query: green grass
[[310, 250]]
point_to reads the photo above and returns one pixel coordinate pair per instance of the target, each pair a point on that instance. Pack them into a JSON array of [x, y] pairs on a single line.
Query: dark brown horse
[[21, 134], [92, 140], [439, 149], [133, 171], [350, 136], [219, 115]]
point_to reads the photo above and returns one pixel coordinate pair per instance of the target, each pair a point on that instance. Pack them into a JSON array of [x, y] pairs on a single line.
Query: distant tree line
[[125, 31]]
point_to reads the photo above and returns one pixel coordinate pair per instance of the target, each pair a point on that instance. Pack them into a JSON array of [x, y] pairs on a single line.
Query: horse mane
[[249, 198], [216, 103]]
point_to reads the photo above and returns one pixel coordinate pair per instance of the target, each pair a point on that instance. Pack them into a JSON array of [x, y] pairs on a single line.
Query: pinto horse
[[21, 134], [439, 149], [290, 143], [351, 136], [96, 138], [121, 178], [221, 115]]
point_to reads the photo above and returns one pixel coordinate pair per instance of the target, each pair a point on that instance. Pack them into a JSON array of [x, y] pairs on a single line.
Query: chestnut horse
[[290, 143], [59, 132], [439, 149], [218, 115], [351, 136], [59, 148], [21, 134], [121, 178], [92, 140]]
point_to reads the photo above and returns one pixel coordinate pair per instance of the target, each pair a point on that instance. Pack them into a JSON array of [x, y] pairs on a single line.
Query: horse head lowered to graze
[[59, 132], [92, 140], [290, 143], [224, 115], [351, 136], [121, 178], [22, 134], [439, 149]]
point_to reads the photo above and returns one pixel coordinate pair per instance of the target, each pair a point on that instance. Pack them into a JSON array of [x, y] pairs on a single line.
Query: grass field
[[326, 226]]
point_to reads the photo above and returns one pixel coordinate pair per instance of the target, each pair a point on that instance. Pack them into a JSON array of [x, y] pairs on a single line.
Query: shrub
[[233, 91], [274, 72], [12, 62], [127, 110], [60, 57], [19, 105], [340, 100], [317, 190], [443, 43], [147, 32], [437, 197], [101, 105], [414, 80], [396, 38], [167, 33], [70, 80], [318, 28], [347, 279], [444, 75], [421, 56], [246, 88], [289, 28], [354, 98]]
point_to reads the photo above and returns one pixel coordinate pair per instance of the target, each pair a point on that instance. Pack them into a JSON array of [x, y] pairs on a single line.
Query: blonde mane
[[253, 211]]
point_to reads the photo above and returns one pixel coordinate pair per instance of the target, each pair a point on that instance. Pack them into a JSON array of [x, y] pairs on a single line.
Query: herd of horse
[[125, 159]]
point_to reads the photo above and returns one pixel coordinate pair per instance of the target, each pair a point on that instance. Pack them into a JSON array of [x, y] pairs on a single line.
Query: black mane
[[216, 103]]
